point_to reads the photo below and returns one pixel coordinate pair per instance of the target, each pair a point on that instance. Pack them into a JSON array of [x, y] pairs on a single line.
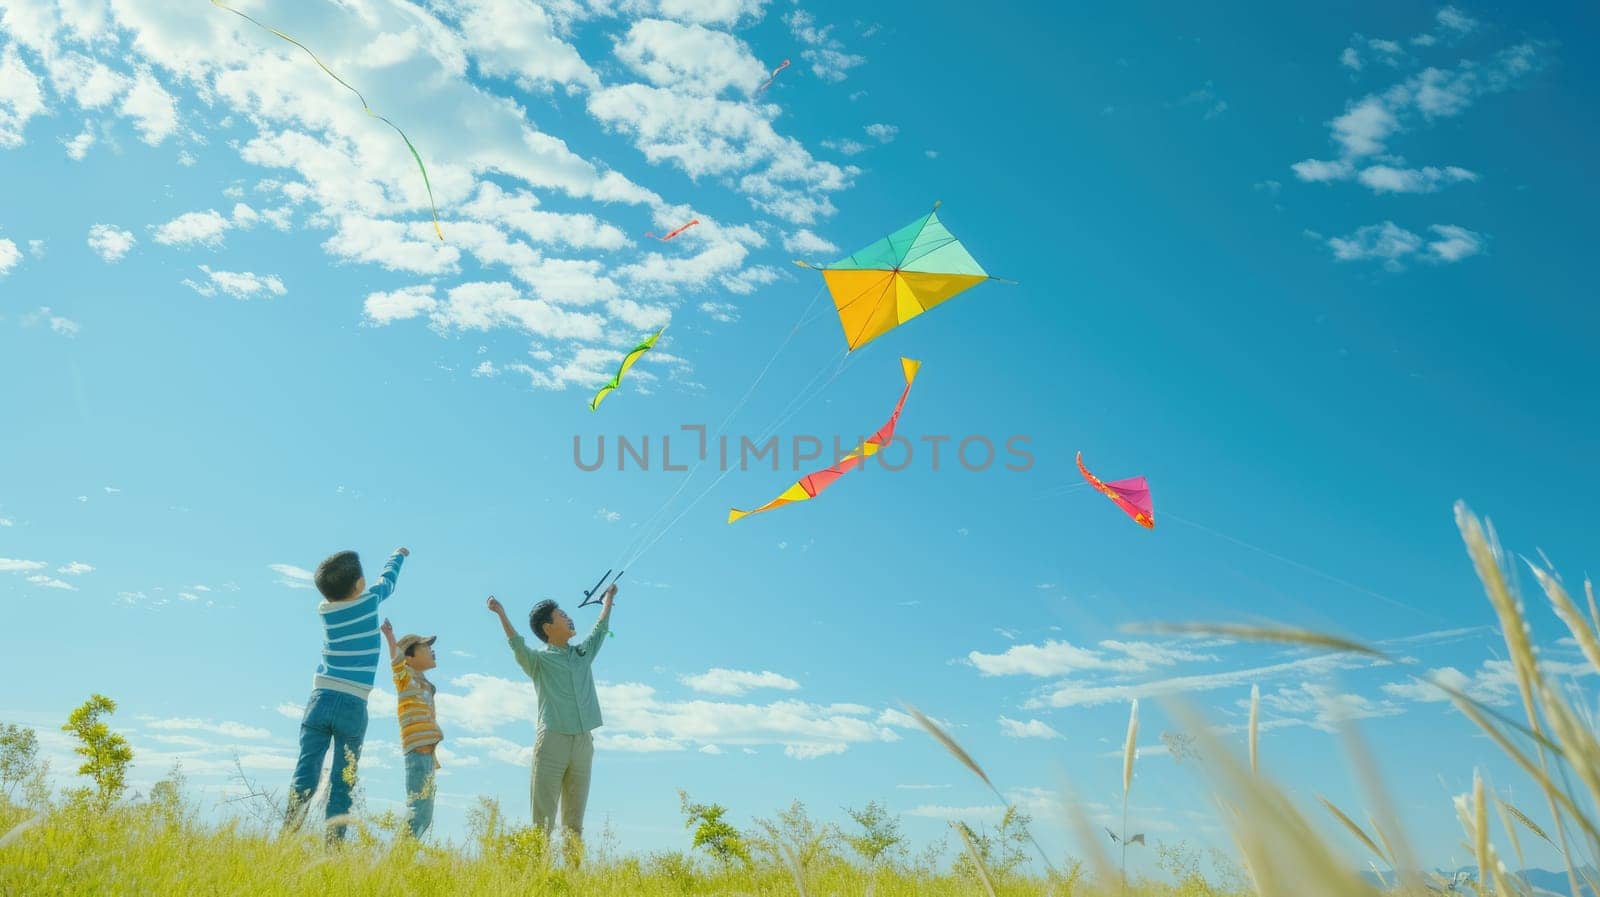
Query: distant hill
[[1541, 879]]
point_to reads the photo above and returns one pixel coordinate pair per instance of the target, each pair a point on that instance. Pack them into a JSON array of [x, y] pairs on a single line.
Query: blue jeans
[[332, 717], [419, 791]]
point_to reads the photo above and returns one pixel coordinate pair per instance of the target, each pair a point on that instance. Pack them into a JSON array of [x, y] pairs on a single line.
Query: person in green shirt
[[569, 709]]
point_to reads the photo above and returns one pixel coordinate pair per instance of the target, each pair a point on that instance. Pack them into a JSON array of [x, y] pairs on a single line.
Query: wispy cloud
[[1394, 245], [238, 284], [1033, 728], [827, 55], [50, 582], [1055, 658], [719, 681], [74, 568], [292, 576]]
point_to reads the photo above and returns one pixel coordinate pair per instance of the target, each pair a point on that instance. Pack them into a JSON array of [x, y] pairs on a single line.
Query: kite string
[[320, 64], [841, 367], [1168, 514], [645, 530]]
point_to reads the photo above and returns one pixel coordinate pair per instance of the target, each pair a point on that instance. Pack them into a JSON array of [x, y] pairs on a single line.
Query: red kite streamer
[[675, 232], [774, 76]]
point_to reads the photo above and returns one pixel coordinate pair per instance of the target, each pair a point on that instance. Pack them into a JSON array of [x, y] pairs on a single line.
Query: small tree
[[1001, 852], [712, 832], [106, 754], [19, 758], [794, 839], [879, 842]]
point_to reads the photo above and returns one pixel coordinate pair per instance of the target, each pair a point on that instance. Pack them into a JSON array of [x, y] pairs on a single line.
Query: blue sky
[[1316, 275]]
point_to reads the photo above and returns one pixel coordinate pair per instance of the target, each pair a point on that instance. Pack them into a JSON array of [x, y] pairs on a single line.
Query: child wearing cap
[[410, 658]]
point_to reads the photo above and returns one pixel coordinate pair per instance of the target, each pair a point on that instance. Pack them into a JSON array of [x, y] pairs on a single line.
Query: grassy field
[[93, 843]]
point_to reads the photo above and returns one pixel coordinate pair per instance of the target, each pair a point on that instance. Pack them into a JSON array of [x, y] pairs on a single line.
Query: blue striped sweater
[[350, 636]]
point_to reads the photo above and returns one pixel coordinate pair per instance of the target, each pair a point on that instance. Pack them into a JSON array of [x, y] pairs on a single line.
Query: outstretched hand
[[403, 552], [608, 597], [387, 628], [495, 606]]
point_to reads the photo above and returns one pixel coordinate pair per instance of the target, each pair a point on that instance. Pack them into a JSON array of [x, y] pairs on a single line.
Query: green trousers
[[561, 766]]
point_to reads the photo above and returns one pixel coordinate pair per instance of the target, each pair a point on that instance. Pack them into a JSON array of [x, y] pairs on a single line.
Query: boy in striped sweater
[[337, 710], [410, 658]]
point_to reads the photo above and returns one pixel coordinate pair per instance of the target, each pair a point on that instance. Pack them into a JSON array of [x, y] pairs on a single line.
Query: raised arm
[[391, 574], [388, 634], [499, 610], [528, 660], [597, 635]]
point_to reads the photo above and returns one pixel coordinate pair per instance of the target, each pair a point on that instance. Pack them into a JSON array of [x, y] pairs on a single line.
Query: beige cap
[[406, 641]]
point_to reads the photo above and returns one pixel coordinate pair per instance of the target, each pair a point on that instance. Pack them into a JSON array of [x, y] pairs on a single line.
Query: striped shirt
[[350, 636], [418, 727]]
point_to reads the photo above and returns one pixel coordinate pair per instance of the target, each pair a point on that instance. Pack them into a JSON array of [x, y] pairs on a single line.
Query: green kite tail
[[627, 362], [320, 64]]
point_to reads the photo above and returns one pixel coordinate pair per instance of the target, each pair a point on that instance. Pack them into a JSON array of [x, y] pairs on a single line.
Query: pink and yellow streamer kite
[[813, 484], [1131, 495]]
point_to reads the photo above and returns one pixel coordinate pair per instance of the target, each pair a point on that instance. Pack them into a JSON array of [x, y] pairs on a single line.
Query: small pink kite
[[1131, 495], [675, 232], [773, 77]]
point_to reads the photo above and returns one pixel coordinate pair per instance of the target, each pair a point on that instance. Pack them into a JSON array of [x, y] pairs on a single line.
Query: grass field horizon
[[97, 839]]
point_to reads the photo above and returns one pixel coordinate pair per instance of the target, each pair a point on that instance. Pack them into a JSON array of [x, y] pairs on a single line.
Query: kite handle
[[589, 596]]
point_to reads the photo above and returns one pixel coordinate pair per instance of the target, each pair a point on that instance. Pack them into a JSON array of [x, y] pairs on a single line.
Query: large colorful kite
[[320, 64], [627, 362], [813, 484], [899, 277], [1131, 495]]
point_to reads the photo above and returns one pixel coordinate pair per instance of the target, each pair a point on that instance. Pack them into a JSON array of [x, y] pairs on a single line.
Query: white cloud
[[1323, 707], [238, 284], [13, 565], [1318, 171], [1454, 243], [1386, 179], [1392, 244], [1031, 729], [203, 228], [64, 326], [36, 248], [1085, 694], [827, 56], [519, 39], [153, 110], [709, 136], [50, 582], [224, 728], [400, 305], [636, 719], [10, 255], [78, 146], [701, 12], [711, 749], [1454, 19], [1054, 658], [292, 576], [75, 568], [608, 516], [689, 59], [882, 133], [7, 521], [110, 242], [804, 242], [719, 681], [21, 97]]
